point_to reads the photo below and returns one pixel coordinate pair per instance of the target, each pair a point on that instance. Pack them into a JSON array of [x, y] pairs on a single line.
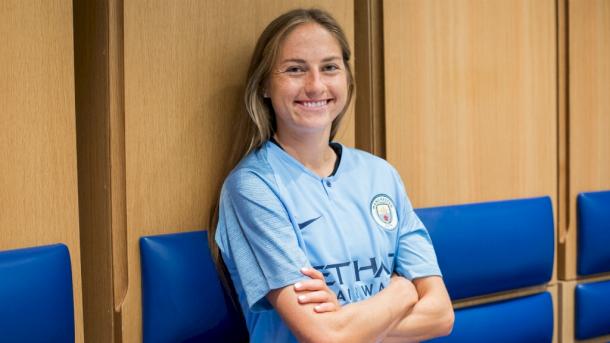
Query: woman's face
[[308, 83]]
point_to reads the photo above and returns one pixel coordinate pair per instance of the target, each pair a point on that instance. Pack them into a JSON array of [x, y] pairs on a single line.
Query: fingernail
[[318, 308], [297, 285], [301, 298], [304, 269]]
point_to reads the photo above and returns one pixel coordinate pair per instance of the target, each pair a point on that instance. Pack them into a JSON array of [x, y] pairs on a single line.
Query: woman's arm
[[365, 321], [432, 316]]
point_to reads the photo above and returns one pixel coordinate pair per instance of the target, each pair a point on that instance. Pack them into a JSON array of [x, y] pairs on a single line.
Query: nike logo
[[306, 223]]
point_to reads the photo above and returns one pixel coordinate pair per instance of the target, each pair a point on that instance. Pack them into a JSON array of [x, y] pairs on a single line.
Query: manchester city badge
[[384, 211]]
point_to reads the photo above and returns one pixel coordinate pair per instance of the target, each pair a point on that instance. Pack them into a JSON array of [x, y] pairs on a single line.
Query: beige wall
[[38, 182], [471, 99]]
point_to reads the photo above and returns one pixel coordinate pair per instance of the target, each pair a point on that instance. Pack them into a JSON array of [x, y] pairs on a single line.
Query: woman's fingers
[[323, 301], [312, 273], [310, 285], [315, 291], [326, 307], [313, 297]]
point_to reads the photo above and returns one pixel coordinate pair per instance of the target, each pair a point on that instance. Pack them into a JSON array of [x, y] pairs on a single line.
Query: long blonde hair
[[259, 126]]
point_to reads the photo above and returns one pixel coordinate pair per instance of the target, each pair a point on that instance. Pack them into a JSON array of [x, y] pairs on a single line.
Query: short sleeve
[[255, 233], [415, 253]]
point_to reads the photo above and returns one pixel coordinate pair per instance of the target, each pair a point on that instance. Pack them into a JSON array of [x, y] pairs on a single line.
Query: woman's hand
[[407, 285], [315, 291]]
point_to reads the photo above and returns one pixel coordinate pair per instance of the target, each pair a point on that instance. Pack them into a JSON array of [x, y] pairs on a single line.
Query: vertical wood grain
[[589, 109], [38, 177], [185, 65], [471, 99]]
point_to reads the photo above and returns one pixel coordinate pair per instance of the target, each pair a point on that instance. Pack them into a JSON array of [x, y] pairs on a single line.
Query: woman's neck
[[312, 151]]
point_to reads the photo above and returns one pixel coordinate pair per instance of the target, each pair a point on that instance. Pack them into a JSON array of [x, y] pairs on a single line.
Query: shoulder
[[252, 175], [359, 158], [362, 165]]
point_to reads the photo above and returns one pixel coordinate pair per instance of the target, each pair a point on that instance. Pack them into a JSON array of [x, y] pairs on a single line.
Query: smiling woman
[[320, 241]]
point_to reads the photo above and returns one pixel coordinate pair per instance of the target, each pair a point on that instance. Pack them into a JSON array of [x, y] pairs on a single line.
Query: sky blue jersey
[[356, 227]]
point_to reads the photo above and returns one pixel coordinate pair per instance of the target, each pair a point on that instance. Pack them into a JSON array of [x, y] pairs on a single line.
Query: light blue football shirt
[[356, 227]]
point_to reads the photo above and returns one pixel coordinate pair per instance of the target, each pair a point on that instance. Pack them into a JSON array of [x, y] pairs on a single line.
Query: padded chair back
[[592, 309], [592, 299], [491, 247], [524, 320], [593, 232], [182, 297], [36, 302]]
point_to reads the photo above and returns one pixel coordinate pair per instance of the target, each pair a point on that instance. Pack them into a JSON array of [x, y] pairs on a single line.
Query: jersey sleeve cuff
[[416, 272], [257, 297]]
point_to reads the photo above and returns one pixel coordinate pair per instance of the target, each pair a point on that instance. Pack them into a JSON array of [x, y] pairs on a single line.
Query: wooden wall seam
[[91, 105], [369, 69], [563, 134], [117, 161], [117, 153]]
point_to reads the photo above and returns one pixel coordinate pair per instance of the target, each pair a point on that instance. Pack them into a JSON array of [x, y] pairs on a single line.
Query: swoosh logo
[[306, 223]]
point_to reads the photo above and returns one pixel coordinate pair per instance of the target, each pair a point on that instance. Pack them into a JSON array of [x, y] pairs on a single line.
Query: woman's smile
[[315, 105]]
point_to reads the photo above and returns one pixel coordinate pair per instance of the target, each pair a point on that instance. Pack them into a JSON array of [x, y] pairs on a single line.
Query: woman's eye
[[330, 67], [295, 69]]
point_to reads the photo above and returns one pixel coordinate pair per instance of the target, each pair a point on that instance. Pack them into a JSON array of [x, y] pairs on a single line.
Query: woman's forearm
[[432, 316], [366, 321]]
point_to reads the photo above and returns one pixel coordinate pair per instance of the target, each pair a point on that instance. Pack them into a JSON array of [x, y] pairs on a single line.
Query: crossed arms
[[404, 311]]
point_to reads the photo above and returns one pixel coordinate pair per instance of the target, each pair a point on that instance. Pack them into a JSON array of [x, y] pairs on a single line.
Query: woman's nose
[[313, 84]]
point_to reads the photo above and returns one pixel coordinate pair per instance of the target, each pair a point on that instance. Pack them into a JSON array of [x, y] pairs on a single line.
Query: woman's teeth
[[314, 103]]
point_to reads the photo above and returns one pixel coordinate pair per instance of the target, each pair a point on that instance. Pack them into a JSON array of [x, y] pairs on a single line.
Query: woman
[[320, 241]]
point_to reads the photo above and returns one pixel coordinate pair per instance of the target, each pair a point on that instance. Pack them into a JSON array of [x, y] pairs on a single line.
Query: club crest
[[384, 211]]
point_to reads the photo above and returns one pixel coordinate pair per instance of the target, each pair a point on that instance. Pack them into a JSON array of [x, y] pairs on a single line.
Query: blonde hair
[[259, 126]]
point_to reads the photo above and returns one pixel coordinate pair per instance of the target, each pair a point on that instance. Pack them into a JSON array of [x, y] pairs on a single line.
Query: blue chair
[[182, 297], [592, 300], [491, 247], [592, 309], [524, 320], [593, 213], [36, 303]]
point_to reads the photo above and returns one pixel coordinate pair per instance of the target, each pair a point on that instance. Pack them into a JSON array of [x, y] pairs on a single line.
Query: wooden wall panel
[[471, 109], [185, 66], [38, 182], [589, 110]]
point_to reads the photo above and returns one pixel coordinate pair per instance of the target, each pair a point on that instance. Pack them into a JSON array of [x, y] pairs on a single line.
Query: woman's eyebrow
[[293, 60], [331, 58], [302, 61]]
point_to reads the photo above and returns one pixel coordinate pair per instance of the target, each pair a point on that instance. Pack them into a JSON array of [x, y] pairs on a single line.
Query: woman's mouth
[[314, 104]]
